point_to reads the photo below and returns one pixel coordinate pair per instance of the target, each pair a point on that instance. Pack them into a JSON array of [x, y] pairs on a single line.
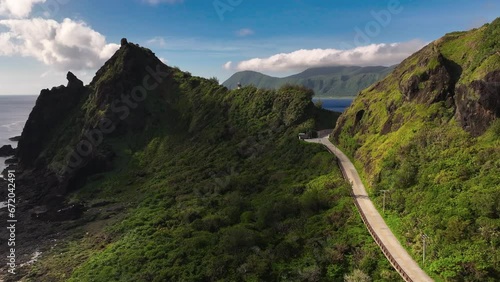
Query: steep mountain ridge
[[336, 81], [151, 174], [429, 135]]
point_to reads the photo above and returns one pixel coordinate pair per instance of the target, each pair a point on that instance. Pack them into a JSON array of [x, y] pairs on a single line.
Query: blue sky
[[40, 40]]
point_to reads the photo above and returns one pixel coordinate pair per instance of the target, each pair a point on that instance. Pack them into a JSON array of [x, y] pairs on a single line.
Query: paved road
[[395, 253]]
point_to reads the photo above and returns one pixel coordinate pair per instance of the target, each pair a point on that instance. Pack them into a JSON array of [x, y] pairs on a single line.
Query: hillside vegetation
[[338, 81], [196, 183], [429, 134]]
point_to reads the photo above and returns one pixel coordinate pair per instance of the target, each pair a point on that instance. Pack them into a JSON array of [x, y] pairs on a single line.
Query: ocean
[[14, 111], [335, 104]]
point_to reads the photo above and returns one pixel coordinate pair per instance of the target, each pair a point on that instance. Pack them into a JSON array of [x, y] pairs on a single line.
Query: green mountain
[[338, 81], [151, 174], [429, 134]]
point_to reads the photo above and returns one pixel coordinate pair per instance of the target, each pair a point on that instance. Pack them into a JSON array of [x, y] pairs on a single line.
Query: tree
[[357, 276], [319, 104], [214, 79]]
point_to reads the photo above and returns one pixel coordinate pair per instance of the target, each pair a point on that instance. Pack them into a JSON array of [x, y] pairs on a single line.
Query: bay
[[334, 104]]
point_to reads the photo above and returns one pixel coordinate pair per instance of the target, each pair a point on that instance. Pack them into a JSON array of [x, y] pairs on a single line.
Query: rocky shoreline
[[42, 217], [42, 222], [45, 216]]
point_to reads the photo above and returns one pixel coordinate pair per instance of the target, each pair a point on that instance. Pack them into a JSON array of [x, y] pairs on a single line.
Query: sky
[[41, 40]]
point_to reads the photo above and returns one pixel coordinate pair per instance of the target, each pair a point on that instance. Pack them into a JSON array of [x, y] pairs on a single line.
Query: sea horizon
[[19, 94], [14, 112]]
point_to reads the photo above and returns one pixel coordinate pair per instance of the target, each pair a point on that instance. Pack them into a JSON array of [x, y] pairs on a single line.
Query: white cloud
[[245, 32], [374, 54], [67, 45], [228, 65], [158, 41], [156, 2], [17, 8]]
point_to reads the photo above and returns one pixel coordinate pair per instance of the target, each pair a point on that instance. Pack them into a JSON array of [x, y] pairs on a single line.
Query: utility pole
[[424, 236], [383, 205]]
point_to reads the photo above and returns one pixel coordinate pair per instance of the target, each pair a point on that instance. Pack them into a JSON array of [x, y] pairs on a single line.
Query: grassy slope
[[442, 181], [228, 193]]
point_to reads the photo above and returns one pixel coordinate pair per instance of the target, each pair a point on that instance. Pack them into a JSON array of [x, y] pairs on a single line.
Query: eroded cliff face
[[51, 110], [434, 84], [477, 104], [460, 72]]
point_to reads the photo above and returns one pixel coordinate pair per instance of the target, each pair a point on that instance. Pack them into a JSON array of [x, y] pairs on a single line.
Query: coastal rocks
[[11, 161], [15, 138], [3, 192], [52, 109], [70, 212], [7, 150]]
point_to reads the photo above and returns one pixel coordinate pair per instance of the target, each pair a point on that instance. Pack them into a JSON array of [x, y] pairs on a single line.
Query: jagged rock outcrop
[[11, 161], [465, 80], [432, 85], [478, 103], [52, 109], [6, 151], [15, 138], [64, 139]]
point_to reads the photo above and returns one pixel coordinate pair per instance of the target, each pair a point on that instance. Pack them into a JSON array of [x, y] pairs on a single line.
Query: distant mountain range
[[337, 81]]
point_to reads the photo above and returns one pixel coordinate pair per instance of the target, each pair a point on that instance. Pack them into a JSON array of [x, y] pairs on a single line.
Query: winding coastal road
[[392, 249]]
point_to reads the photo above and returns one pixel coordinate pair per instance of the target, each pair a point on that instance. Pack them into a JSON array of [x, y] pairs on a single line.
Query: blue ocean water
[[14, 111], [335, 104]]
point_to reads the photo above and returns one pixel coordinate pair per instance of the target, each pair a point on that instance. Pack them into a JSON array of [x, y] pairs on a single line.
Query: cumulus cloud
[[17, 8], [156, 2], [245, 32], [374, 54], [64, 45]]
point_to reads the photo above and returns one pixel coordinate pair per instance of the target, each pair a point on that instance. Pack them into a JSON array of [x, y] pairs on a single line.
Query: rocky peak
[[63, 116], [73, 81], [51, 109]]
